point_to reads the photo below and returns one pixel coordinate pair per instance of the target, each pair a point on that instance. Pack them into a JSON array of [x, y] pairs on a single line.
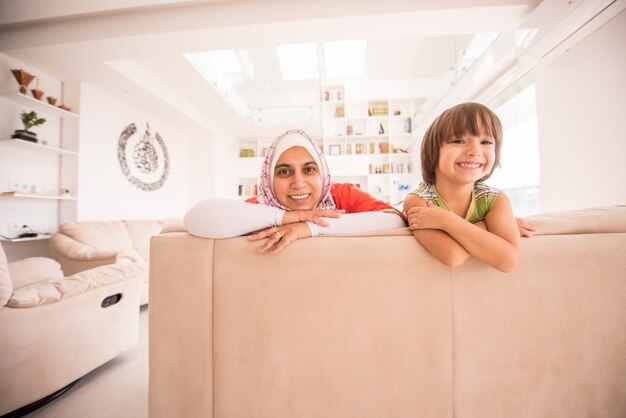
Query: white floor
[[117, 389]]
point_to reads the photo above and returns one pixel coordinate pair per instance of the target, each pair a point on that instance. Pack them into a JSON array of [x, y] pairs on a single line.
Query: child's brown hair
[[457, 121]]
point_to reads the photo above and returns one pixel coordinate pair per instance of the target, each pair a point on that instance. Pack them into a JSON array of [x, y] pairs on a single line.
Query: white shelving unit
[[36, 146], [380, 130], [39, 105], [29, 207]]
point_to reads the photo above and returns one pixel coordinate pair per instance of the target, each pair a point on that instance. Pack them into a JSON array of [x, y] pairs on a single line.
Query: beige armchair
[[79, 246], [55, 329]]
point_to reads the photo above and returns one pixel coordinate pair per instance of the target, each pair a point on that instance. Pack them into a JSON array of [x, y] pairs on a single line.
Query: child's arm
[[438, 243], [497, 246]]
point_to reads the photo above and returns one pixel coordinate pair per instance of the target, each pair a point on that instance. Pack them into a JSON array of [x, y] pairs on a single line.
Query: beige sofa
[[79, 246], [55, 329], [353, 326]]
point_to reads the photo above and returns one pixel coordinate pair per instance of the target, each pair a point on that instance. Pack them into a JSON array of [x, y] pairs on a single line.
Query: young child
[[452, 213]]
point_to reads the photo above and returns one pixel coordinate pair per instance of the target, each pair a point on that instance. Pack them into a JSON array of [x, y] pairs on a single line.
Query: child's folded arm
[[497, 246], [437, 242]]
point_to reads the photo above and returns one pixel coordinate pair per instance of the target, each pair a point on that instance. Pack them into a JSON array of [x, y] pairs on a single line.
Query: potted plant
[[29, 120]]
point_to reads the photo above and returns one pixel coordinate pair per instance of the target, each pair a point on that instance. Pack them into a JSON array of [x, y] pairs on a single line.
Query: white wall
[[104, 192], [211, 168], [581, 108]]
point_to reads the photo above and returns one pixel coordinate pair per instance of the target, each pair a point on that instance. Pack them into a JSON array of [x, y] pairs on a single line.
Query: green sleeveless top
[[483, 197]]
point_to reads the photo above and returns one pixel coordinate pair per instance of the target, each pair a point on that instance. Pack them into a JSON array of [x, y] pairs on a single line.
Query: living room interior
[[205, 86]]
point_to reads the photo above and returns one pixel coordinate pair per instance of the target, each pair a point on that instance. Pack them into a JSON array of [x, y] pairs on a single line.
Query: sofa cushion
[[110, 236], [140, 233], [6, 287], [34, 269], [600, 220]]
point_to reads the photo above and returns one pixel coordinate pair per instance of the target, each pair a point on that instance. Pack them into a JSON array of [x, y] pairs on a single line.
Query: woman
[[295, 199]]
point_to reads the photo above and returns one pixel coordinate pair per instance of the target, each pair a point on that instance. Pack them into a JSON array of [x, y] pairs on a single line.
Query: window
[[518, 175]]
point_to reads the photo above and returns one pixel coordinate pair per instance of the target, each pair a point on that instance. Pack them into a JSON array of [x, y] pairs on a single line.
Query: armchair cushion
[[34, 269]]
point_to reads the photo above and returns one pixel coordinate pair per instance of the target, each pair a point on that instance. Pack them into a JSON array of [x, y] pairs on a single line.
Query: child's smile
[[466, 159]]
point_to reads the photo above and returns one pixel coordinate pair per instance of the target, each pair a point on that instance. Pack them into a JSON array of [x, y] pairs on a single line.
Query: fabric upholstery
[[110, 235], [584, 221], [34, 269], [79, 246], [6, 286], [47, 347], [372, 326], [55, 330], [50, 291]]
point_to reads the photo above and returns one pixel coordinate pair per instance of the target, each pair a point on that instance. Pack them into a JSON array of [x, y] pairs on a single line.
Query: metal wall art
[[150, 164]]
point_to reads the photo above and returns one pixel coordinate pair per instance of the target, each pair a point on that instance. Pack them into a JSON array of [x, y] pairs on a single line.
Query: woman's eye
[[310, 169], [457, 141], [487, 142], [283, 172]]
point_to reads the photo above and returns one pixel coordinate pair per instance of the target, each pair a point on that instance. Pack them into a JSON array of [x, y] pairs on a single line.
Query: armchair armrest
[[75, 256], [51, 291], [32, 270]]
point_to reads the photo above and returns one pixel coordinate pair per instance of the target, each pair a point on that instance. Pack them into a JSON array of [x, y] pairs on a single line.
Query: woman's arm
[[226, 218], [497, 246], [355, 223], [278, 238]]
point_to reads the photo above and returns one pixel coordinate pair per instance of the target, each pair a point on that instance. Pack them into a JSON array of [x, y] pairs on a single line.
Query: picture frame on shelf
[[334, 150]]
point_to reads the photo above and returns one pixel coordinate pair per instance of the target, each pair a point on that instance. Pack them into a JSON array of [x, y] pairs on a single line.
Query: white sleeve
[[225, 218], [354, 223]]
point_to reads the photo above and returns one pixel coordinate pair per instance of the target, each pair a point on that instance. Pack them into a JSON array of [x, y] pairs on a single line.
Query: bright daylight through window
[[519, 172]]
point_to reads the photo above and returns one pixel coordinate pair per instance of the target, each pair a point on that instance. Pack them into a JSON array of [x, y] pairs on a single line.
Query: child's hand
[[526, 228], [430, 217]]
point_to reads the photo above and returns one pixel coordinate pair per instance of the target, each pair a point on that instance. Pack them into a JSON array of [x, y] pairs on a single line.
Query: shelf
[[37, 238], [36, 146], [39, 105], [35, 196]]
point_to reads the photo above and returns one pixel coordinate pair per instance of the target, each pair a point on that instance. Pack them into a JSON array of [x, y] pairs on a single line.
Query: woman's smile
[[297, 181]]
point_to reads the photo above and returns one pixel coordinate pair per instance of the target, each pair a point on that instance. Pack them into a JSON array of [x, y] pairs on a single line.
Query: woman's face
[[297, 180]]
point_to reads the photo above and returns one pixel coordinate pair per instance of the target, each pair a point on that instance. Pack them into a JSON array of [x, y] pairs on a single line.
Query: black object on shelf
[[25, 135]]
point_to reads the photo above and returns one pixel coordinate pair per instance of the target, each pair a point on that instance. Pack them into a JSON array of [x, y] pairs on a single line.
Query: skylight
[[298, 61], [344, 58], [479, 44], [213, 66]]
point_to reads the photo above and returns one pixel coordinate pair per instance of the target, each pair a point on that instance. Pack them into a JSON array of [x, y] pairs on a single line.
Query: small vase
[[37, 94], [51, 100], [23, 78]]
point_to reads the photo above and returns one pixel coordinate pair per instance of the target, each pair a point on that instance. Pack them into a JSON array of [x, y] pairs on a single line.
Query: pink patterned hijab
[[292, 138]]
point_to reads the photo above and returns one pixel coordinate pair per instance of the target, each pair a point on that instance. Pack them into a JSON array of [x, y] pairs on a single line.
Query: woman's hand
[[526, 228], [295, 216], [279, 237]]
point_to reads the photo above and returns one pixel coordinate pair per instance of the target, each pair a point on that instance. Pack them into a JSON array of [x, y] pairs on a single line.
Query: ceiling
[[134, 53]]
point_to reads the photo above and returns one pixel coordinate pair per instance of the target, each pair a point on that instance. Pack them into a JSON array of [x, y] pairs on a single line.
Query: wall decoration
[[147, 159]]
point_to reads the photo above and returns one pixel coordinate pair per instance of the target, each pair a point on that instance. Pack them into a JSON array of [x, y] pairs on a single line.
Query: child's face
[[466, 159]]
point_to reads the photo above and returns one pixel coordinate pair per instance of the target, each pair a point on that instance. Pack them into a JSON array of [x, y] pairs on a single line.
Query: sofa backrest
[[109, 235], [117, 235], [139, 233]]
